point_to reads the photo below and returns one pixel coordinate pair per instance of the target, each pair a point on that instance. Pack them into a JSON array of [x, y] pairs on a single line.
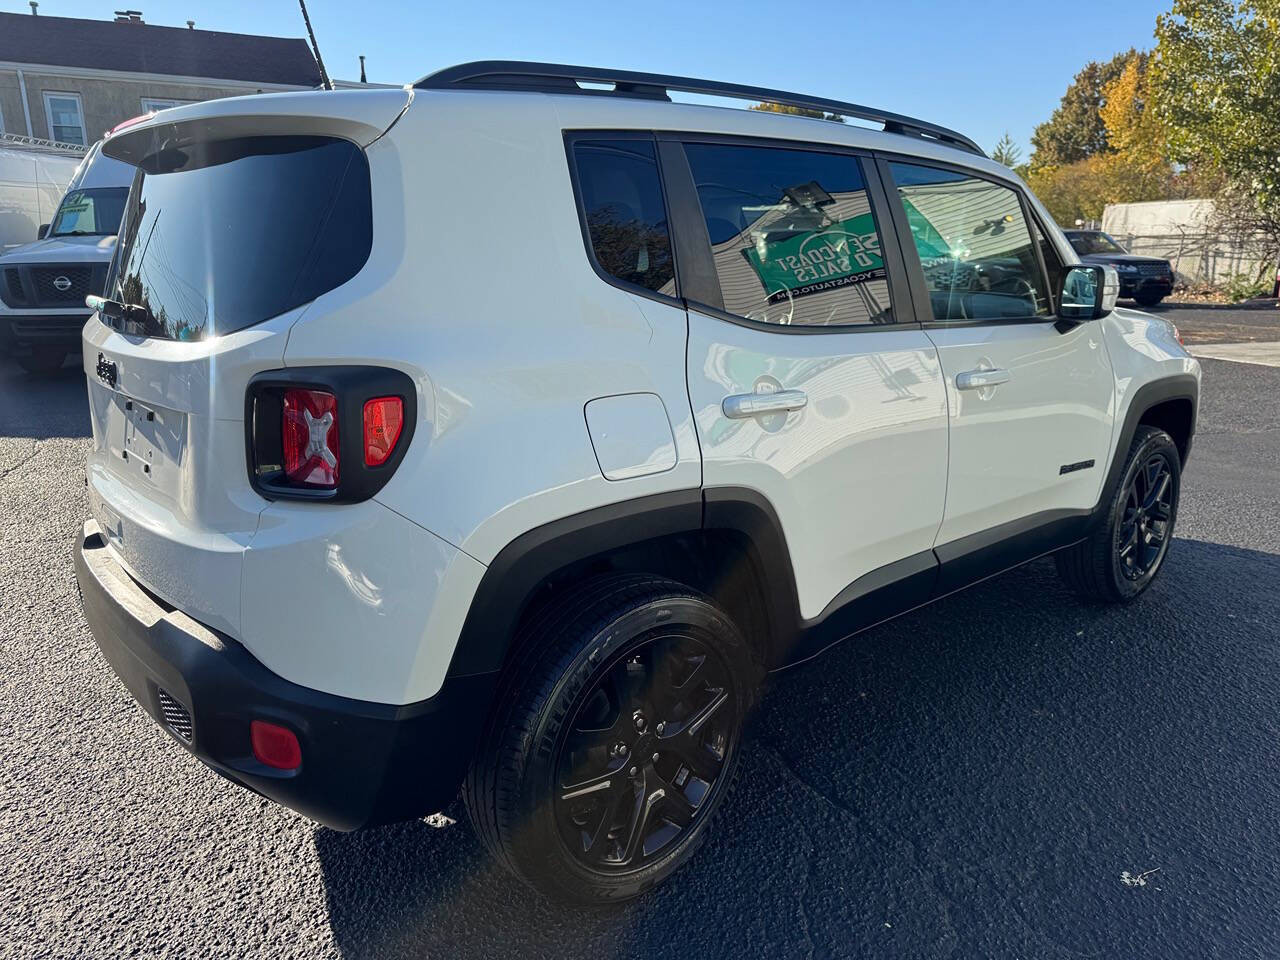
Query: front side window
[[90, 213], [224, 234], [624, 211], [66, 120], [792, 234], [975, 247]]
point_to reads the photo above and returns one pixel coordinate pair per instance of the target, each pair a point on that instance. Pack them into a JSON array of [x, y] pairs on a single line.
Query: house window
[[66, 117], [150, 104]]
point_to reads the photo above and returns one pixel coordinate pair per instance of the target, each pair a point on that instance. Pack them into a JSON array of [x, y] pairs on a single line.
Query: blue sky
[[979, 67]]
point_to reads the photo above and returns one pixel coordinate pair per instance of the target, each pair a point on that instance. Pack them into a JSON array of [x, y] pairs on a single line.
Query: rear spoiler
[[360, 116]]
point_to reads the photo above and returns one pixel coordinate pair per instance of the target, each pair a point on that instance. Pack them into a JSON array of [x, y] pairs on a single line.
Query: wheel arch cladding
[[1170, 402], [730, 547], [1176, 417]]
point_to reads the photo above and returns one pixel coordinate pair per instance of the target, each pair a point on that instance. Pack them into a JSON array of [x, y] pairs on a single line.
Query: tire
[[559, 806], [42, 361], [1149, 299], [1121, 557]]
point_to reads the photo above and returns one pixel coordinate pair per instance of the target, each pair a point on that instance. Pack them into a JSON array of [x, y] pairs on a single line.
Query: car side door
[[812, 385], [1030, 398]]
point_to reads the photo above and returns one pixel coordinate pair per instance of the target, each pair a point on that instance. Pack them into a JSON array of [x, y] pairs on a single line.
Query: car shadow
[[42, 406], [995, 775]]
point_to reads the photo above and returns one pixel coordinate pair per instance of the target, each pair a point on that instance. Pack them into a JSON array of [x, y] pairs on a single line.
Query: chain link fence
[[1203, 259]]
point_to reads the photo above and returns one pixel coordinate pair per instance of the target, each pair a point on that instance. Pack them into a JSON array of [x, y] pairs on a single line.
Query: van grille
[[13, 294], [57, 285], [1152, 270], [38, 286], [176, 717]]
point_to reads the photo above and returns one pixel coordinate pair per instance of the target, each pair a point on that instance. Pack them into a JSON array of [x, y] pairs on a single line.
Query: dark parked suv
[[1145, 279]]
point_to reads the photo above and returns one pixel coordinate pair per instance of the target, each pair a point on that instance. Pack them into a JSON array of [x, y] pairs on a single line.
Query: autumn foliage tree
[[1216, 80], [1131, 163]]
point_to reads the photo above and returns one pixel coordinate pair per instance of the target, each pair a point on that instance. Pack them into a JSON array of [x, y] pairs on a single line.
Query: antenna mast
[[324, 77]]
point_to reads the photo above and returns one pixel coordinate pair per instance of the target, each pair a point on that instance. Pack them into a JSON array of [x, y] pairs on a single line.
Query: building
[[72, 80]]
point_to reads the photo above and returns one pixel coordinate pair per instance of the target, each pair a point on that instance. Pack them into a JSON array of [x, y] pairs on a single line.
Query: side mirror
[[1088, 293], [42, 232]]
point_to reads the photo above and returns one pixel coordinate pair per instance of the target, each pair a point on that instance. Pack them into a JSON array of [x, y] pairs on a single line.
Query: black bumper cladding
[[362, 763]]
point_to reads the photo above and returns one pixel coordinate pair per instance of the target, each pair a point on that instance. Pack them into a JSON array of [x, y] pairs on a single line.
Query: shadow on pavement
[[41, 406], [973, 779]]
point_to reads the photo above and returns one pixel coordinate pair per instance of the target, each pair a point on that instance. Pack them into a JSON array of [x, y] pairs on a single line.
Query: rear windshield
[[221, 235]]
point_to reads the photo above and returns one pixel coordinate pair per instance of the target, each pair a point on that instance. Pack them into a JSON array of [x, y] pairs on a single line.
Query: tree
[[1075, 131], [1133, 167], [1007, 152], [1216, 84], [770, 107]]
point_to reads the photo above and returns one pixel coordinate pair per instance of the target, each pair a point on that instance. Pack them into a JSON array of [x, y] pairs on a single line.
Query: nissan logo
[[62, 283]]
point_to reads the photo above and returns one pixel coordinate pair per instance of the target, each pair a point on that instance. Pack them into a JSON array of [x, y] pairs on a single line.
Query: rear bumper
[[362, 763], [21, 332]]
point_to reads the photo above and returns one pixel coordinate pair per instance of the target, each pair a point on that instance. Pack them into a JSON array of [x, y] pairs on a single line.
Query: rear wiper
[[114, 309]]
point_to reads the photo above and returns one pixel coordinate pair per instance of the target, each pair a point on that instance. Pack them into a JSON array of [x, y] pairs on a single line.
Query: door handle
[[743, 405], [977, 379]]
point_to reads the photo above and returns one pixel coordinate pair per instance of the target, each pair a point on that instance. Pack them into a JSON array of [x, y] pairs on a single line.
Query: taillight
[[383, 421], [327, 433], [309, 438]]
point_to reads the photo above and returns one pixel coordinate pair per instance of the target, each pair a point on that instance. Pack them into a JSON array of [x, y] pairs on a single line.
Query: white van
[[43, 284], [33, 179]]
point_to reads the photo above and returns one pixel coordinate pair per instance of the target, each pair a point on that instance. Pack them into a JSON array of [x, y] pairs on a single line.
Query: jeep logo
[[107, 371], [62, 283]]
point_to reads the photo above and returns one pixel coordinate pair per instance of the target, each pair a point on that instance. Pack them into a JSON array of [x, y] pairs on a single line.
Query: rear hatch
[[241, 214]]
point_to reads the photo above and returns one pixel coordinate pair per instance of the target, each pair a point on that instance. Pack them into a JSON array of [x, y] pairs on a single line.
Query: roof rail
[[562, 78]]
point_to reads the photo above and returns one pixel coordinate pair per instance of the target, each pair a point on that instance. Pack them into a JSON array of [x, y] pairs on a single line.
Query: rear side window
[[974, 244], [793, 235], [624, 212], [221, 235]]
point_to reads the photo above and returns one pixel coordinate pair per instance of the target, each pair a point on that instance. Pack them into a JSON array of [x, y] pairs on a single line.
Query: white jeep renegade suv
[[501, 432]]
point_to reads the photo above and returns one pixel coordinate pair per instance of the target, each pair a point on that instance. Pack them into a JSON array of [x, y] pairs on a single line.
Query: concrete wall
[[105, 101], [1183, 232]]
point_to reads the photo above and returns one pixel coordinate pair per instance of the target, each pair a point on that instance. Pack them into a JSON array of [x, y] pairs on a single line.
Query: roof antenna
[[325, 82], [362, 77]]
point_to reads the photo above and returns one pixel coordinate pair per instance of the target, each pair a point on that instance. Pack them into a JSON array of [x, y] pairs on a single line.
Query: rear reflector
[[275, 746], [383, 421], [309, 430]]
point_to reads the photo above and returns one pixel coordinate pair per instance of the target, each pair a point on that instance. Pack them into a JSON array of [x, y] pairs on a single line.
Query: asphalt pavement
[[1008, 773]]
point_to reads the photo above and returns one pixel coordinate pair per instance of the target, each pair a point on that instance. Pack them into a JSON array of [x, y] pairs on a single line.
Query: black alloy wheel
[[644, 752], [614, 737], [1146, 524], [1131, 538]]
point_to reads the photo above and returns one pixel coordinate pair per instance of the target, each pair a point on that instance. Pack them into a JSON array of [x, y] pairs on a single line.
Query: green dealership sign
[[843, 253]]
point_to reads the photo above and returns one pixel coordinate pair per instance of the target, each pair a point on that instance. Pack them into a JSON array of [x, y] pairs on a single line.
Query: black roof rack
[[562, 78]]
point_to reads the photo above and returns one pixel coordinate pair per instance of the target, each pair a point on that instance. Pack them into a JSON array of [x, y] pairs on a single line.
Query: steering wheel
[[1015, 286]]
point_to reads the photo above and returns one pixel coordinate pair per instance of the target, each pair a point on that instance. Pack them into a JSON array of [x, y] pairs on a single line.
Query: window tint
[[626, 216], [977, 254], [225, 234], [792, 234]]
